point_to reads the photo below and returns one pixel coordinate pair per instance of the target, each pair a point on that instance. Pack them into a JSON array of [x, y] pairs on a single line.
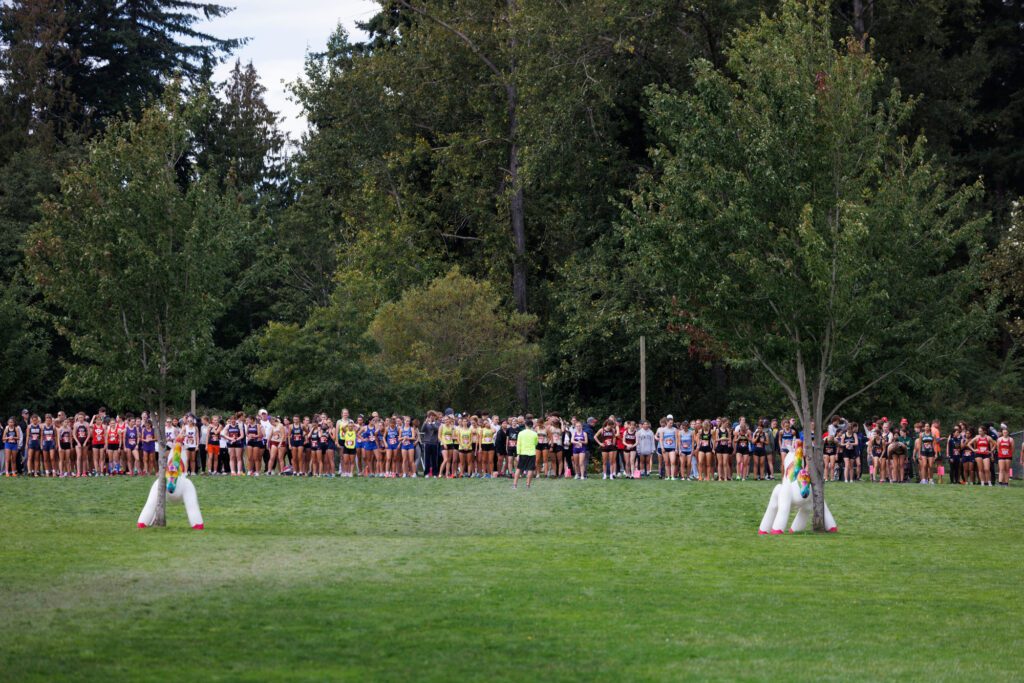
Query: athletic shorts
[[149, 447], [48, 446], [967, 458], [350, 450], [297, 443], [326, 446], [236, 444], [213, 449], [759, 451], [254, 443], [577, 450], [633, 450], [34, 445], [488, 447], [131, 446], [10, 446], [723, 449], [542, 447], [392, 446], [369, 446], [465, 450], [113, 447], [412, 446], [927, 455], [608, 449], [667, 449], [527, 463], [1006, 457], [849, 453], [557, 447]]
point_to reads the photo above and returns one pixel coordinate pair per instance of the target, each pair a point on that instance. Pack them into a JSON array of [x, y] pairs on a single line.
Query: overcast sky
[[280, 32]]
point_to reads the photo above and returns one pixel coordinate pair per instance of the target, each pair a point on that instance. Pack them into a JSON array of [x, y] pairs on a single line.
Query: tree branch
[[456, 32]]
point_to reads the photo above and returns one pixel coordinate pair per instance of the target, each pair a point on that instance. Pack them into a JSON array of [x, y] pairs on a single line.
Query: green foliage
[[134, 265], [795, 224], [319, 365], [452, 343]]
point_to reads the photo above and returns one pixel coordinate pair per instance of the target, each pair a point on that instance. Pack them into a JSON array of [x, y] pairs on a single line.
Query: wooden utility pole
[[193, 401], [643, 378]]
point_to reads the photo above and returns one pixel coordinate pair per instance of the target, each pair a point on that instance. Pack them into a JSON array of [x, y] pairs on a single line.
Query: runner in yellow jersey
[[526, 448], [486, 457], [464, 434], [446, 435]]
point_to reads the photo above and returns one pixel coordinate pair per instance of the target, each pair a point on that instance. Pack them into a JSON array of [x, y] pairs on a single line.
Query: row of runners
[[482, 445]]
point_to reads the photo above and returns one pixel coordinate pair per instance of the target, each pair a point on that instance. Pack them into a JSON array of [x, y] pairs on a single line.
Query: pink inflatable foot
[[141, 525], [833, 530], [776, 532], [791, 531], [762, 533], [198, 526]]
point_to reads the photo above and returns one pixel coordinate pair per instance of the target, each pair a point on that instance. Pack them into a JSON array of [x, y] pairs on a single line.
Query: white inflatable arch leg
[[769, 514], [830, 521], [149, 509], [803, 515], [782, 516], [191, 501]]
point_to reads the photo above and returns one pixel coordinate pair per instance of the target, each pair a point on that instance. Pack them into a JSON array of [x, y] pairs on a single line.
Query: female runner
[[667, 438], [579, 449], [276, 446], [446, 435], [213, 456], [723, 450], [327, 446], [297, 443], [80, 439], [131, 446], [34, 444], [12, 444], [392, 455], [606, 437], [373, 458], [49, 447], [684, 452], [99, 445], [743, 451], [876, 445], [148, 444], [253, 447], [830, 455], [313, 444], [1004, 453], [348, 458], [848, 443], [981, 445], [408, 437], [556, 438], [704, 450], [925, 450], [236, 445]]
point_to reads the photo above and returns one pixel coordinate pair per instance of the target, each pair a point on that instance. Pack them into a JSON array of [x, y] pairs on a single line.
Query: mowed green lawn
[[469, 580]]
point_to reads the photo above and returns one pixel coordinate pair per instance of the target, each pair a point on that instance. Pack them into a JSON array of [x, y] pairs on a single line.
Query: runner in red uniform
[[981, 445], [1005, 453]]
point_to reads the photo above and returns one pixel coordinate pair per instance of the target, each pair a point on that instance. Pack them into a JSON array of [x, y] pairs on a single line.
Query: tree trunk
[[161, 494], [517, 212], [815, 464]]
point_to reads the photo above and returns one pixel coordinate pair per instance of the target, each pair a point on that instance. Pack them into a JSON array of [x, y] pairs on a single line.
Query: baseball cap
[[669, 417]]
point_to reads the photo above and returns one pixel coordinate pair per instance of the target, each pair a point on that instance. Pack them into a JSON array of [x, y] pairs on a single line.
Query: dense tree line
[[481, 173]]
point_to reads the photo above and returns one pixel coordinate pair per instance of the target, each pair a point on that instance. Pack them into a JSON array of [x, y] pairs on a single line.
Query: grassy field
[[469, 580]]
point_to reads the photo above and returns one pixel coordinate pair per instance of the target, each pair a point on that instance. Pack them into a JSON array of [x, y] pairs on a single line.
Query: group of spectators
[[448, 445]]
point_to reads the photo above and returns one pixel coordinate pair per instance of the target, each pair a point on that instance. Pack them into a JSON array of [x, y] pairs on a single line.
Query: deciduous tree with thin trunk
[[806, 236], [134, 262]]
